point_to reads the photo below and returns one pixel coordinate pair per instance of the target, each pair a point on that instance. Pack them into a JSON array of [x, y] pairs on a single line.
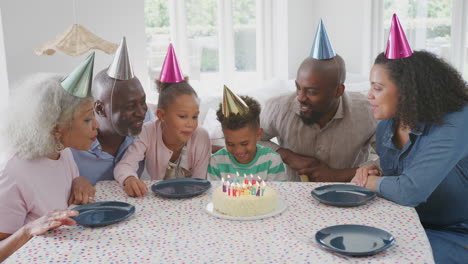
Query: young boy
[[240, 121]]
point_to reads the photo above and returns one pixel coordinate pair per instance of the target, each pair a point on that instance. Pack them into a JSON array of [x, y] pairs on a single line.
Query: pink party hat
[[171, 72], [397, 44]]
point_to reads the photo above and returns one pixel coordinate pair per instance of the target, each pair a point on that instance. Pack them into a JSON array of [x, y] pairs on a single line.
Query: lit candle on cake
[[246, 189], [246, 180], [234, 189], [230, 186], [224, 184], [263, 187], [258, 189], [253, 190], [251, 177]]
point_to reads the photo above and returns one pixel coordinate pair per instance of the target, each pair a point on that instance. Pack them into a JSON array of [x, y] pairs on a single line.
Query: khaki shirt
[[344, 142]]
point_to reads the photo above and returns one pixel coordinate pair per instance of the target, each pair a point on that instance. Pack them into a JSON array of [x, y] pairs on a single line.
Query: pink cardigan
[[149, 145]]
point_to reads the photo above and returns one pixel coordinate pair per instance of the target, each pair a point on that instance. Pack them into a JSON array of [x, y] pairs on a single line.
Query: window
[[217, 41], [438, 26], [244, 35], [427, 23], [157, 39]]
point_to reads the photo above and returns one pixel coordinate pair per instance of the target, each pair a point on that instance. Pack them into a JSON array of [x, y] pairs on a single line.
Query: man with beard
[[323, 132], [120, 108]]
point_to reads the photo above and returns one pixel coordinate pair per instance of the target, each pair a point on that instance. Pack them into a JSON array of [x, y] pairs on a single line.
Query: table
[[180, 231]]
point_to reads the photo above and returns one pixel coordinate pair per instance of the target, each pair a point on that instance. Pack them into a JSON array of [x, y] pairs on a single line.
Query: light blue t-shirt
[[97, 165]]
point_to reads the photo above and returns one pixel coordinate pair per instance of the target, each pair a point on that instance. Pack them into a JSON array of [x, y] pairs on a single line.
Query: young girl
[[173, 146]]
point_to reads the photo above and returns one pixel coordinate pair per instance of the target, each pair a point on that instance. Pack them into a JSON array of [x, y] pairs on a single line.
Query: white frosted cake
[[247, 203]]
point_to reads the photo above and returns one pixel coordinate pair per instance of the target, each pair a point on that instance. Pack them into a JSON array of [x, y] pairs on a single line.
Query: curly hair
[[169, 91], [429, 88], [234, 122], [38, 105]]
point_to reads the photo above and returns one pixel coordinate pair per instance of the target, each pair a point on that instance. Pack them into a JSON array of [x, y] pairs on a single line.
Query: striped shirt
[[267, 164]]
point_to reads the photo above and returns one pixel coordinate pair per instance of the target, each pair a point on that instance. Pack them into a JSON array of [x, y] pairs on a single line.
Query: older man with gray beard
[[120, 108]]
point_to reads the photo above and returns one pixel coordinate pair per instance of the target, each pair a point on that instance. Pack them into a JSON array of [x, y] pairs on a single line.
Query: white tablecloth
[[180, 231]]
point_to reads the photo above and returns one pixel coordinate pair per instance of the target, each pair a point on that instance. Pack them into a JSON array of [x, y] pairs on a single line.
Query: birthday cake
[[244, 200]]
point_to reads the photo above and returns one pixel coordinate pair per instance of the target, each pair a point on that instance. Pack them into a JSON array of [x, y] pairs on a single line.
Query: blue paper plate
[[344, 195], [354, 240], [181, 187], [103, 213]]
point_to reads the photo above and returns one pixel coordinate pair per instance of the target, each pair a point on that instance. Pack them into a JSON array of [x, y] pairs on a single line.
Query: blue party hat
[[322, 48]]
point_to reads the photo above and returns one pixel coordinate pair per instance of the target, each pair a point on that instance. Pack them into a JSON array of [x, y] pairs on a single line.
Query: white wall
[[302, 22], [3, 69], [29, 23], [347, 24]]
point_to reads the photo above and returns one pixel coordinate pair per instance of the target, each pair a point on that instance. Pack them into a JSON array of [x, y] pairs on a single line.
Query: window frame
[[458, 32], [271, 40]]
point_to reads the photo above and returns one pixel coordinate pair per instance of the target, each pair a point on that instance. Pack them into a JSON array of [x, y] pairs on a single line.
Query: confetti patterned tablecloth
[[180, 231]]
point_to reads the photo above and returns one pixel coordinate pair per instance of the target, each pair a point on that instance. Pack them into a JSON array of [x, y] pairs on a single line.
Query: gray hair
[[38, 104]]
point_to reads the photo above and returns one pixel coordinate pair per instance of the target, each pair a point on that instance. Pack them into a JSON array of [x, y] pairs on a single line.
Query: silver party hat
[[78, 82], [121, 68]]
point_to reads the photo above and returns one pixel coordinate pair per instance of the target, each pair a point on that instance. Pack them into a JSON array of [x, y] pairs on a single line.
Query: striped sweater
[[266, 164]]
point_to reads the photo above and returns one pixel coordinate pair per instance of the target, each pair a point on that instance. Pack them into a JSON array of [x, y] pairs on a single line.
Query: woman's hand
[[82, 192], [134, 187], [362, 174], [12, 242], [50, 221]]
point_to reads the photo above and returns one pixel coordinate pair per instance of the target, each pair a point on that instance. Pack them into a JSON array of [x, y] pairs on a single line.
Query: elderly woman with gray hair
[[48, 114]]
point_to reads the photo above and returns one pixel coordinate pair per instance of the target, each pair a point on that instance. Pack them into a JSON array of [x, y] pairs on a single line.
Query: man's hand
[[363, 173], [323, 173], [82, 192], [320, 173], [296, 161], [135, 187]]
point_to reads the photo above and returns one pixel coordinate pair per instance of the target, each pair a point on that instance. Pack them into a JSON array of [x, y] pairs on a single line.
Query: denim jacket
[[430, 172]]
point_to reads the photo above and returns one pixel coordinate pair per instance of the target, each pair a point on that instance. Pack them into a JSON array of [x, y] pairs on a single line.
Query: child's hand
[[134, 187]]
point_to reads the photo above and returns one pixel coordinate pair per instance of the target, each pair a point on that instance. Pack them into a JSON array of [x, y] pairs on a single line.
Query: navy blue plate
[[181, 187], [354, 240], [344, 195], [103, 213]]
